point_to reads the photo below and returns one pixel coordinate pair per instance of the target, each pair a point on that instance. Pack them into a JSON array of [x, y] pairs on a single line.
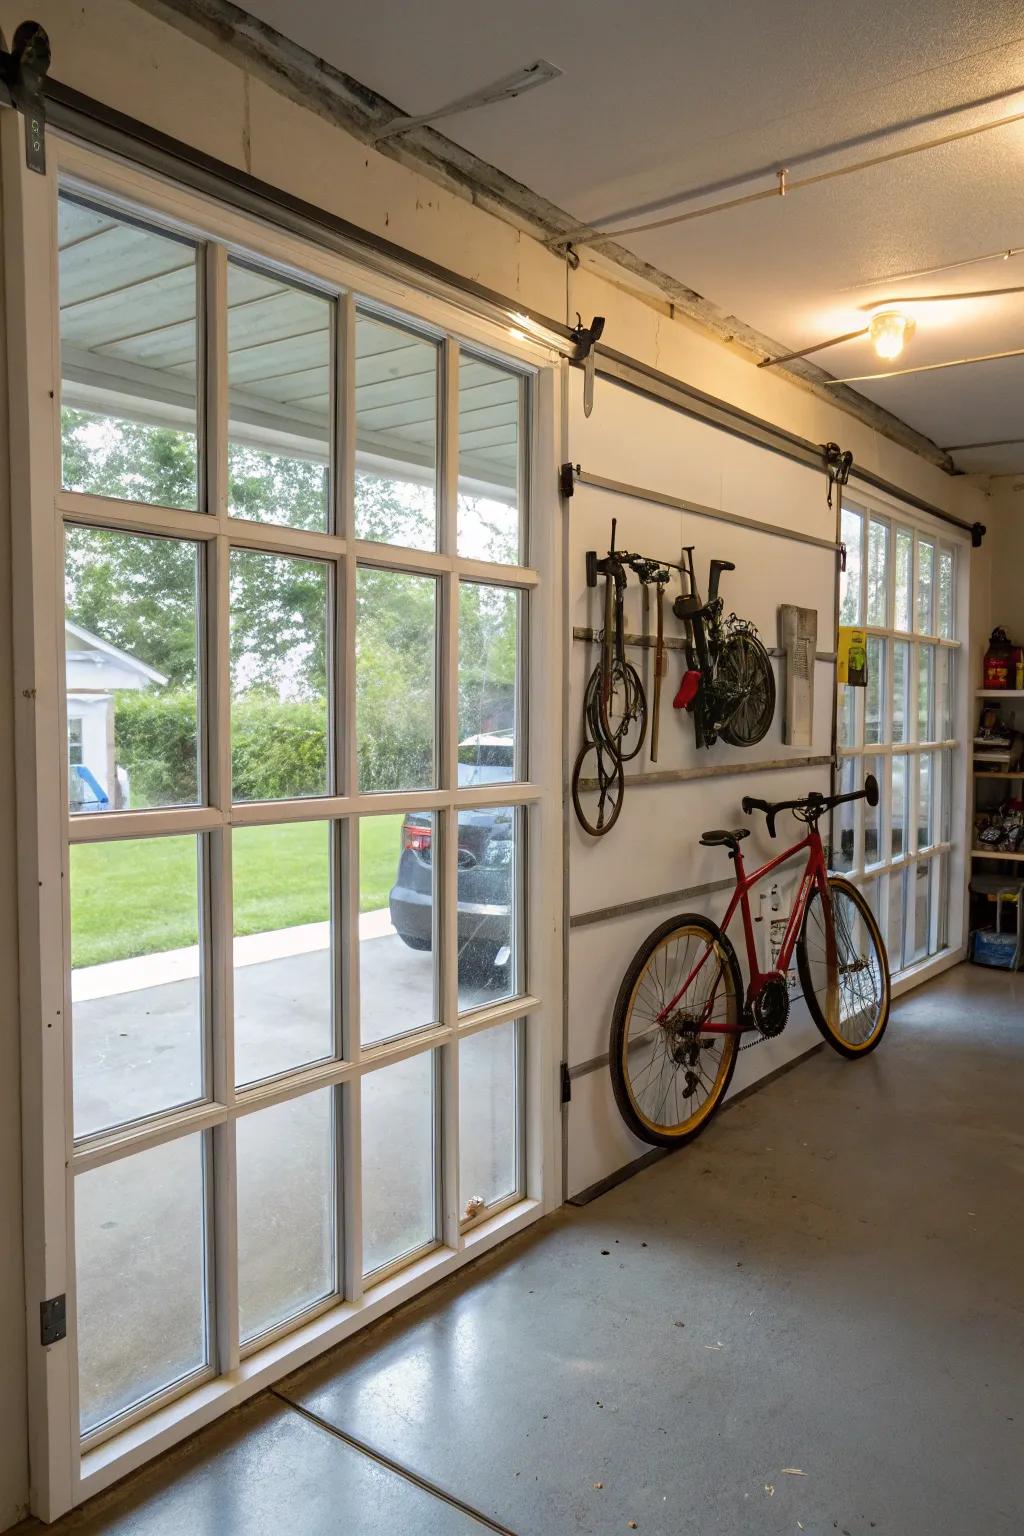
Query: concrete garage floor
[[831, 1280]]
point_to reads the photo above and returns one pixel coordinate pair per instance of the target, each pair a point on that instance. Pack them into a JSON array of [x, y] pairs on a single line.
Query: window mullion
[[215, 393]]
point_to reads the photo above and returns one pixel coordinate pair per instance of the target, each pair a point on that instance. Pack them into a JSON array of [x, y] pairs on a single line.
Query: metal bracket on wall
[[586, 338], [22, 77], [661, 499]]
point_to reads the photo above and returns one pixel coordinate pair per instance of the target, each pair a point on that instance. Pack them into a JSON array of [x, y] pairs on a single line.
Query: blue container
[[995, 949]]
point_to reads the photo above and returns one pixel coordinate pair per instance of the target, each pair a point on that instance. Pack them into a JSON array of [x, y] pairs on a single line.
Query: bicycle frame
[[815, 876]]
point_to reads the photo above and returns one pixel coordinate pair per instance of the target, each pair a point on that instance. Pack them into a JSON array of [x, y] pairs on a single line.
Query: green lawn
[[140, 898]]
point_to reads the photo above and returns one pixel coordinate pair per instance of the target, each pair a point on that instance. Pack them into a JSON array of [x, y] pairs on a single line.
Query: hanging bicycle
[[729, 684]]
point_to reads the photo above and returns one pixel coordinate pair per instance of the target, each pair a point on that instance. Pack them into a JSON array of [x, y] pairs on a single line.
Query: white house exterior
[[96, 672]]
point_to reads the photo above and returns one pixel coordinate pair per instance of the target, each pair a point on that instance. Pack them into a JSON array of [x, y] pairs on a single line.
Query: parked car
[[486, 868]]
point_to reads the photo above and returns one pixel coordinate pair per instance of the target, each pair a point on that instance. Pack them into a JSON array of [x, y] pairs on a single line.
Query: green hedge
[[278, 748]]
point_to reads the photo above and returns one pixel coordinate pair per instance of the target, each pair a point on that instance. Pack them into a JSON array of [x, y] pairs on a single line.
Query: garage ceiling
[[660, 99]]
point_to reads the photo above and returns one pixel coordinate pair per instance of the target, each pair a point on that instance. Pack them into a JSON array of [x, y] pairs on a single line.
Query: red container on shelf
[[999, 669]]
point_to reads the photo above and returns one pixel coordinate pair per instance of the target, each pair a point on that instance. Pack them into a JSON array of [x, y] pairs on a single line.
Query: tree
[[142, 593]]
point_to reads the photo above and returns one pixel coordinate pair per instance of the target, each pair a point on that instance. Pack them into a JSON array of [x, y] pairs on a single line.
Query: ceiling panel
[[661, 98]]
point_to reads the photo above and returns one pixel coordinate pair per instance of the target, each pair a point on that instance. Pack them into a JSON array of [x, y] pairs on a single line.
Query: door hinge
[[566, 1083], [53, 1320], [567, 479]]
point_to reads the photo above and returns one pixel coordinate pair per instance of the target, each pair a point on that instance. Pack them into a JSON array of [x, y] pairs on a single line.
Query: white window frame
[[948, 907], [62, 1473]]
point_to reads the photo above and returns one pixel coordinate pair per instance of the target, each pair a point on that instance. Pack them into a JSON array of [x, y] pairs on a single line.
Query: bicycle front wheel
[[669, 1077], [745, 674], [846, 983]]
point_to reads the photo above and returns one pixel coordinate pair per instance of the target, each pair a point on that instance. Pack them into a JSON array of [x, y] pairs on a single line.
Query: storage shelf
[[985, 853], [999, 773], [1000, 693]]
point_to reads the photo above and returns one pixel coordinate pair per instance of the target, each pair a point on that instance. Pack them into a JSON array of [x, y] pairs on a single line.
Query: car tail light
[[416, 838]]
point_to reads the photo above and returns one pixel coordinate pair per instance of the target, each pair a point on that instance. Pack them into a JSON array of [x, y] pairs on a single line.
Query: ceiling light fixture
[[505, 89], [890, 331]]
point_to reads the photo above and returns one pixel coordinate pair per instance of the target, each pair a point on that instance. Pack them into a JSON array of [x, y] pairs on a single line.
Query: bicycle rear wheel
[[745, 673], [669, 1078], [847, 985]]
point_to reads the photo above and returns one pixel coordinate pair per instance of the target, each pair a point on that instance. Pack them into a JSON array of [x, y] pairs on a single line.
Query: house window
[[899, 585], [74, 741]]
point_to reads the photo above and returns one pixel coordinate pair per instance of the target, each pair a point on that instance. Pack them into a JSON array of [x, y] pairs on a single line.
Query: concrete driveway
[[139, 1051]]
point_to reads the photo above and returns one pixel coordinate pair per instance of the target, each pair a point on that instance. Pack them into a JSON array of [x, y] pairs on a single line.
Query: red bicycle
[[682, 1006]]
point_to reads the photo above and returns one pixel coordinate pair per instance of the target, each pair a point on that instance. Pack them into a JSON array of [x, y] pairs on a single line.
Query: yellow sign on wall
[[852, 657]]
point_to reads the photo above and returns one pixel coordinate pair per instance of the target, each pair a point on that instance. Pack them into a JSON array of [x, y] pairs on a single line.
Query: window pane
[[946, 813], [849, 580], [940, 894], [925, 798], [874, 694], [396, 435], [925, 586], [926, 693], [488, 1117], [488, 673], [904, 550], [396, 663], [136, 980], [283, 985], [901, 705], [128, 330], [843, 855], [873, 850], [131, 645], [897, 911], [397, 969], [946, 593], [945, 678], [915, 944], [285, 1158], [397, 1113], [489, 438], [900, 807], [490, 879], [140, 1241], [279, 400], [878, 572], [847, 716], [279, 676]]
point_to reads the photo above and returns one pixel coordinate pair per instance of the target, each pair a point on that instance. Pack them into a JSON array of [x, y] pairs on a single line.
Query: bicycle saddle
[[719, 839]]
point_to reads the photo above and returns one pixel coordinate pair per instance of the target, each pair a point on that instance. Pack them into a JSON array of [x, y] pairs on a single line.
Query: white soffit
[[660, 97]]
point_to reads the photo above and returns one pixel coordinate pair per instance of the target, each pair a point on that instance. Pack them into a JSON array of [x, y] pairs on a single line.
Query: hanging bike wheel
[[846, 985], [670, 1077], [598, 785], [745, 672], [621, 710]]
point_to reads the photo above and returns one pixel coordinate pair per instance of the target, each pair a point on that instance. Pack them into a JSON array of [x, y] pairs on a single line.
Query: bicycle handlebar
[[814, 803]]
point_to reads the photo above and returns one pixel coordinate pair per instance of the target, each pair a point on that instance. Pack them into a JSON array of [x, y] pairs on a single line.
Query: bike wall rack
[[582, 476], [716, 771], [673, 642]]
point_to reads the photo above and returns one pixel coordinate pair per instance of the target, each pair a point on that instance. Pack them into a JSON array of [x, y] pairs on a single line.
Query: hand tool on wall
[[660, 658]]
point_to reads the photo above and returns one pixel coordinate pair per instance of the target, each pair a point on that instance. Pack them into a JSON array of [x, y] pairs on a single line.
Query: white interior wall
[[1007, 554], [653, 848], [195, 91]]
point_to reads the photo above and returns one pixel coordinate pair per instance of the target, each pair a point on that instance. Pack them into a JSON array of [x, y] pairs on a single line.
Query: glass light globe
[[889, 333]]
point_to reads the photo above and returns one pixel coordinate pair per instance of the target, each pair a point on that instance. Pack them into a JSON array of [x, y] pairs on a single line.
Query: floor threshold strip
[[423, 1483]]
